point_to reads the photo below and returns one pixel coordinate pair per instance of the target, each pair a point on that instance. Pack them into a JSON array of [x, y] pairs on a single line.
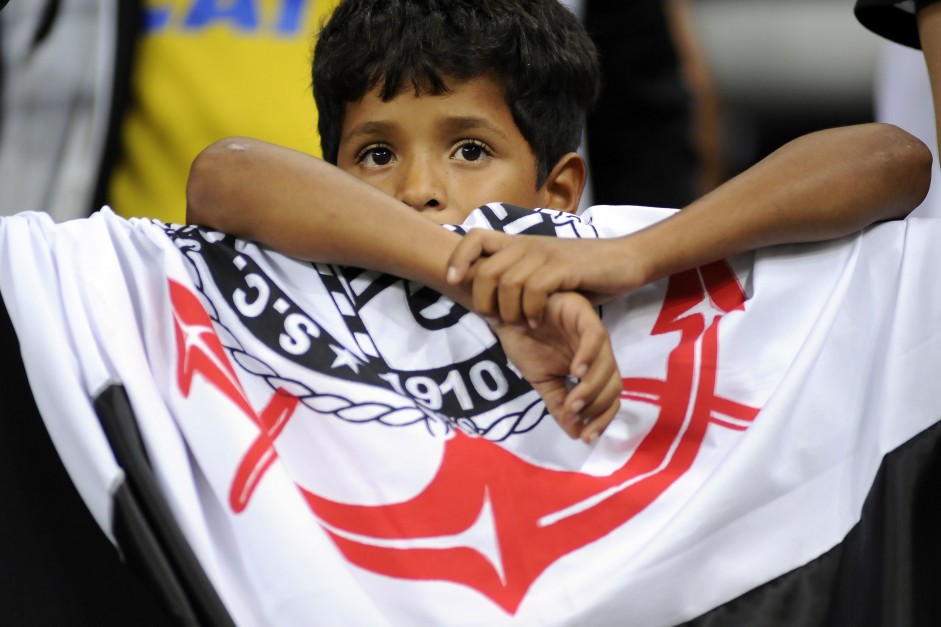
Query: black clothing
[[640, 147], [888, 19]]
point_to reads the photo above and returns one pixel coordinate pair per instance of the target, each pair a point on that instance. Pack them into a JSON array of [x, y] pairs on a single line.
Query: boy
[[440, 107]]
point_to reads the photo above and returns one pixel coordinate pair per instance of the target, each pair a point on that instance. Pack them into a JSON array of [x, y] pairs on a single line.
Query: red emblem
[[538, 515], [533, 515], [199, 350]]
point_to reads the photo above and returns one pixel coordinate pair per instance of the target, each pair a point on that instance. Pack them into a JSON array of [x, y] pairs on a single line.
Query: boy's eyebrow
[[370, 128], [460, 124], [453, 124]]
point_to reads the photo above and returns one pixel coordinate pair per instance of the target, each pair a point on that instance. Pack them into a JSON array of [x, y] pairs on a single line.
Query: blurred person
[[203, 69], [707, 104], [57, 62], [653, 138], [915, 24], [903, 98], [903, 83], [108, 102]]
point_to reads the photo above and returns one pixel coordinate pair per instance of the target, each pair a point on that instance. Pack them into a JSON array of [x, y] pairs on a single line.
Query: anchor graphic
[[489, 520]]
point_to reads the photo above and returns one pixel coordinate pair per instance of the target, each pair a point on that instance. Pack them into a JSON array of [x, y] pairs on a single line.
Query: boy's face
[[443, 155]]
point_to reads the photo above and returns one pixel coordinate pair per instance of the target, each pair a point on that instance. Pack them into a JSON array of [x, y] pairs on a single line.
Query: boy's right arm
[[821, 186], [307, 208]]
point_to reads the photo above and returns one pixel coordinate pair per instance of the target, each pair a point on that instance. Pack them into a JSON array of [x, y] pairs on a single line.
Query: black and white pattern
[[478, 390]]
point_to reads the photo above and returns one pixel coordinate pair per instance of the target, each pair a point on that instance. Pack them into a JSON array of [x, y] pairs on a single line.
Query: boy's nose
[[421, 186]]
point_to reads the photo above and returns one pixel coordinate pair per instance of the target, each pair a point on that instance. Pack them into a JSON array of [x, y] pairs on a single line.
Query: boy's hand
[[571, 342], [512, 276]]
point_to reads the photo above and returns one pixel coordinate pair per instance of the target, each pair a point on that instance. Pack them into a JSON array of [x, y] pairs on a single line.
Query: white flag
[[343, 447]]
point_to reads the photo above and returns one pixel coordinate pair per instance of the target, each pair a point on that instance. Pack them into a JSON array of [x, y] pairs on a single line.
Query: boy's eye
[[471, 150], [375, 155]]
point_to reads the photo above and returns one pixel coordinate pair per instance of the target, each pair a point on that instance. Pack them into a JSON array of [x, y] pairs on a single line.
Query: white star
[[705, 308], [345, 358], [193, 339]]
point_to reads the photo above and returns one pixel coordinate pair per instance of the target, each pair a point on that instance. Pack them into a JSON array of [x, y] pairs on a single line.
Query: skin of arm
[[821, 186], [309, 209]]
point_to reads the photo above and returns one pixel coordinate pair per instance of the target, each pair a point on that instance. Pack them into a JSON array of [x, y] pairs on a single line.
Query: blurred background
[[108, 102], [746, 76], [782, 69]]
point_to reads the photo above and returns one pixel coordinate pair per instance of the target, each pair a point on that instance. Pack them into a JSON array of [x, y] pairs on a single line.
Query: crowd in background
[[107, 103]]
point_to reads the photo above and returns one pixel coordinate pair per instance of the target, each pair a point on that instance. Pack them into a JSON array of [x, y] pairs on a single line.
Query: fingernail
[[452, 275], [577, 406], [533, 324], [581, 370], [591, 437]]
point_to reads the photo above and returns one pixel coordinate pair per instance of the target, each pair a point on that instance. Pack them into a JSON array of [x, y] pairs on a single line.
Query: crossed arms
[[823, 185]]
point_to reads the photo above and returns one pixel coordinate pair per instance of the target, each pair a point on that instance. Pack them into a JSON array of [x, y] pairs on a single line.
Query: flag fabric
[[329, 445]]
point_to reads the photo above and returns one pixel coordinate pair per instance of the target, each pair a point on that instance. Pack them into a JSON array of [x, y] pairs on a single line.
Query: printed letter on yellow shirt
[[207, 69]]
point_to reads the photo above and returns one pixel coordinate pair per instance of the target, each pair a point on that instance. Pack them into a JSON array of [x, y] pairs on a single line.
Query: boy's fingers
[[484, 294], [594, 345], [512, 285], [597, 392], [553, 395], [469, 249], [534, 305], [475, 244], [594, 401], [488, 288], [485, 286], [591, 404], [596, 426], [539, 287], [592, 419]]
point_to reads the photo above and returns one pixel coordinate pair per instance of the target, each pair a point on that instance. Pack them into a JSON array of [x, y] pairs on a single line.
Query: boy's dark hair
[[536, 49]]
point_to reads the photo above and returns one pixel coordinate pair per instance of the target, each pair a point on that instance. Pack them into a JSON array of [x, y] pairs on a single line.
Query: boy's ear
[[563, 187]]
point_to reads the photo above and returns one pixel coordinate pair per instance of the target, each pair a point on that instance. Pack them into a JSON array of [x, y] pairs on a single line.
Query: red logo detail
[[691, 366], [536, 515], [200, 351]]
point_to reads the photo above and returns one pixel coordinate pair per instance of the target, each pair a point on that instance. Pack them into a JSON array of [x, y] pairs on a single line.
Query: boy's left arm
[[821, 186], [573, 342]]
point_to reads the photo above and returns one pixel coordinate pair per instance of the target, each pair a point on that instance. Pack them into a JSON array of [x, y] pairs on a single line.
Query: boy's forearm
[[307, 208], [824, 185]]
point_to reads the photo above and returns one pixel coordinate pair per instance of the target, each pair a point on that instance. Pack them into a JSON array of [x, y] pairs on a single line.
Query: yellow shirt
[[207, 69]]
